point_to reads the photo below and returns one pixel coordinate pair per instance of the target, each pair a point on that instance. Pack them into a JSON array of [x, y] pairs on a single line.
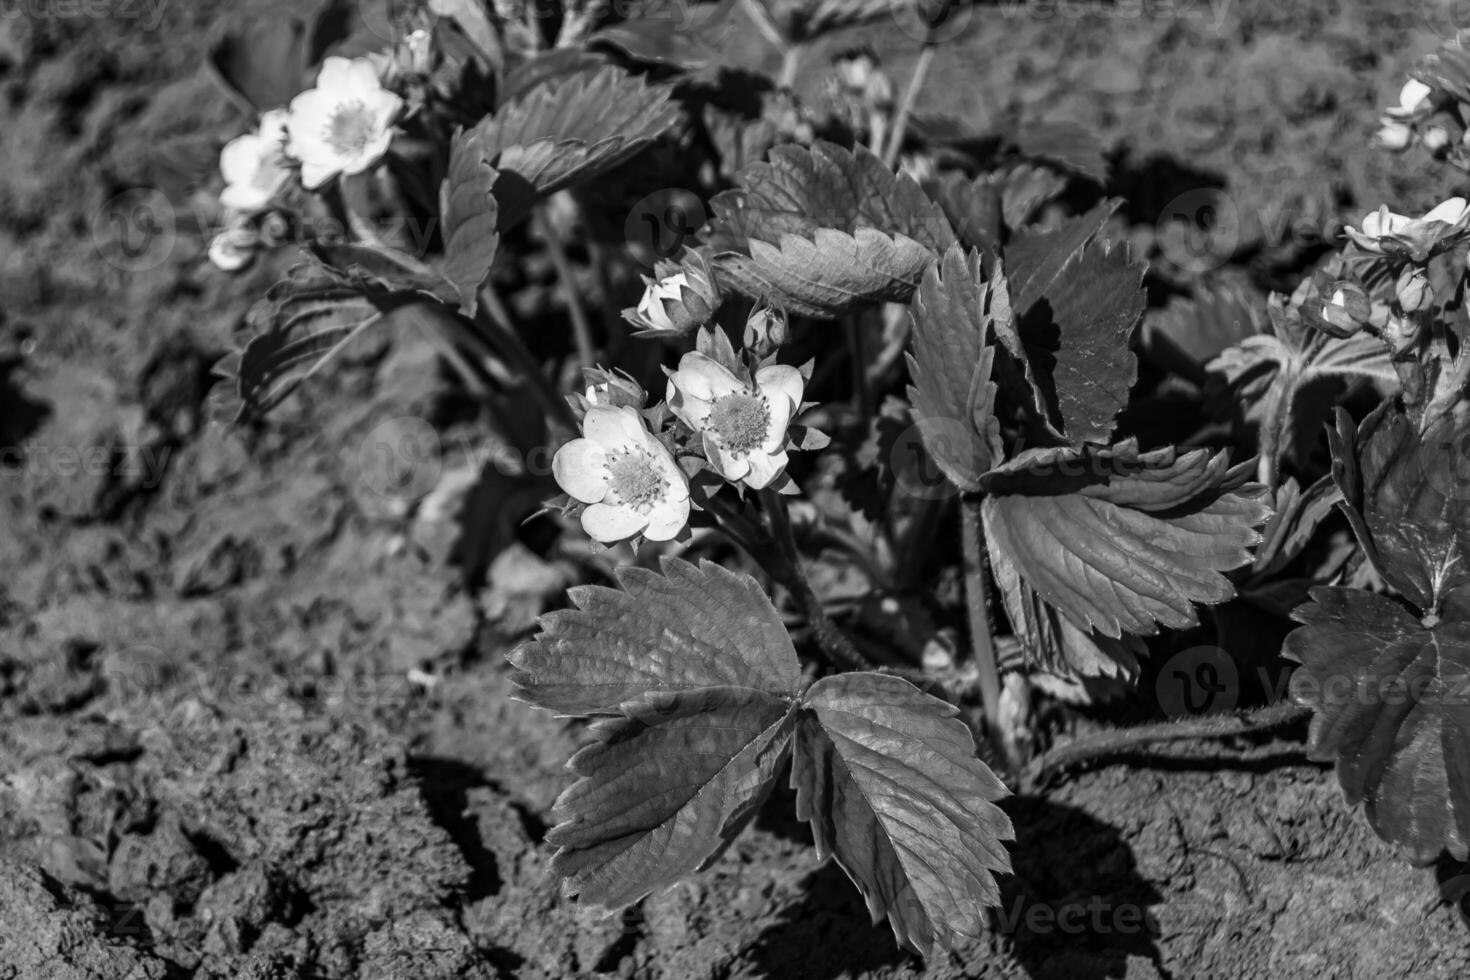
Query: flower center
[[350, 129], [635, 479], [740, 420]]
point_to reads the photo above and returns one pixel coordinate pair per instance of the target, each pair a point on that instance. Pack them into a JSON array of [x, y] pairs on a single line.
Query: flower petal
[[765, 468], [610, 523], [336, 73], [731, 466], [781, 378], [615, 427], [580, 468], [315, 173], [667, 519], [240, 159], [703, 377], [1451, 212]]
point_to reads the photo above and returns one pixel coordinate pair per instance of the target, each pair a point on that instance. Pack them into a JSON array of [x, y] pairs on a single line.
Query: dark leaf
[[1390, 694], [692, 627], [470, 215], [952, 395], [888, 779]]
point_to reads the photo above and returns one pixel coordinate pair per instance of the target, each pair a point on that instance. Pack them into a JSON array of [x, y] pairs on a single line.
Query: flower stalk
[[982, 640]]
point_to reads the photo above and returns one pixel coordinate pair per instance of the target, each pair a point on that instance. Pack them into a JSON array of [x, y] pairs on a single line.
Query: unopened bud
[[1435, 138], [765, 330], [1413, 290]]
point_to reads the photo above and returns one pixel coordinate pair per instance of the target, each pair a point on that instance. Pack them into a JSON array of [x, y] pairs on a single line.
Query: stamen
[[635, 479], [740, 421], [350, 129]]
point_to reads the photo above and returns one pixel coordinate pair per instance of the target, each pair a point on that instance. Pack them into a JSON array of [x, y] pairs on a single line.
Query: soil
[[251, 726]]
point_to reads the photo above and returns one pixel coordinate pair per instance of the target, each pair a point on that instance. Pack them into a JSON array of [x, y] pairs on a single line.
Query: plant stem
[[1124, 740], [837, 647], [581, 328], [790, 64], [982, 643], [857, 349], [494, 319], [906, 107]]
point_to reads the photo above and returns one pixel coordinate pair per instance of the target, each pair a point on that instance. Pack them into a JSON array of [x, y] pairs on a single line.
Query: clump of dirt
[[251, 726]]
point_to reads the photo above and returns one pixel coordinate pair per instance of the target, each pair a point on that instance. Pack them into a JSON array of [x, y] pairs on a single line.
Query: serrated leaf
[[824, 231], [308, 317], [261, 62], [566, 129], [888, 779], [1077, 338], [690, 628], [1295, 517], [1390, 694], [1408, 496], [700, 679], [665, 788], [1267, 374], [1190, 332], [973, 208], [471, 215], [952, 395], [1118, 541], [1035, 259]]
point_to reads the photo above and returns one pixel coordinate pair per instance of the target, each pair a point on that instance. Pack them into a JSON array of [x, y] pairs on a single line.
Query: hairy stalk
[[857, 348], [906, 107], [788, 571], [790, 65], [982, 642], [494, 319], [581, 327], [1125, 740]]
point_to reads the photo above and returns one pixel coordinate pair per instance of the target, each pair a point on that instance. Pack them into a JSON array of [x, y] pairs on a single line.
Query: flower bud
[[679, 301], [933, 13], [855, 68], [1343, 311], [1435, 138], [1413, 290], [1393, 136], [765, 330], [613, 388]]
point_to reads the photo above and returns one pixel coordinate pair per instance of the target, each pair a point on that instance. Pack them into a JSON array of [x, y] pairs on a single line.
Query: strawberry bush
[[880, 448]]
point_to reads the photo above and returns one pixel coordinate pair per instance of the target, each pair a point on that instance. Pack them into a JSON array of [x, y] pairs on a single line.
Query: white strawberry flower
[[743, 425], [626, 477], [254, 165], [344, 125], [1387, 233]]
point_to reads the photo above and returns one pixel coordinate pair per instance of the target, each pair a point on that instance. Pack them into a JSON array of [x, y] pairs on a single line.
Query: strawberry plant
[[866, 425]]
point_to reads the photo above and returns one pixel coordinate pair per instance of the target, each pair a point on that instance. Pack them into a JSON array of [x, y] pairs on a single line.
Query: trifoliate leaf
[[470, 215], [665, 788], [824, 231], [1026, 189], [952, 395], [1389, 691], [567, 129], [888, 779], [1120, 541], [261, 61], [692, 627]]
